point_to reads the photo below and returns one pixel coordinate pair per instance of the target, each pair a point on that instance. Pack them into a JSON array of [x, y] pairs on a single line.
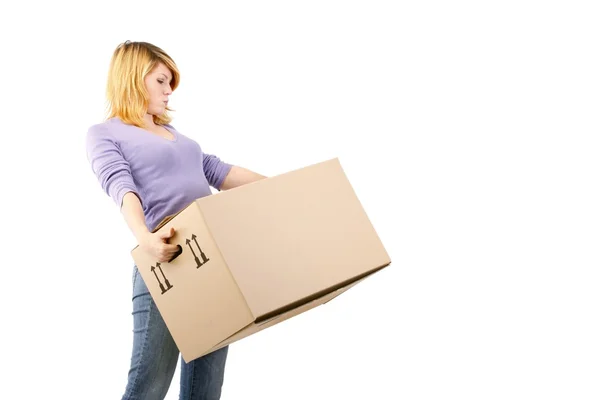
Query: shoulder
[[98, 129], [105, 130]]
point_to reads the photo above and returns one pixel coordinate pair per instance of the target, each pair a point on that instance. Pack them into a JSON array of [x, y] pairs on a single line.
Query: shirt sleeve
[[109, 165], [215, 170]]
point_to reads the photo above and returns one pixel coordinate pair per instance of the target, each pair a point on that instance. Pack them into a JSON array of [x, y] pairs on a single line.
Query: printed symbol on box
[[162, 287], [204, 258]]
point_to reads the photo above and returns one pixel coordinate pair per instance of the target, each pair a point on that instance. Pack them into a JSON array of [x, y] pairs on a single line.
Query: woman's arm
[[134, 216], [239, 176], [155, 244]]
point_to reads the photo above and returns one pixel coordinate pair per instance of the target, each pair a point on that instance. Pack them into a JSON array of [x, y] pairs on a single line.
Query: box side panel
[[195, 293], [287, 237]]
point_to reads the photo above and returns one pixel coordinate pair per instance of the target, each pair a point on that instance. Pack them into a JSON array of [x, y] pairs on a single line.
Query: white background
[[469, 131]]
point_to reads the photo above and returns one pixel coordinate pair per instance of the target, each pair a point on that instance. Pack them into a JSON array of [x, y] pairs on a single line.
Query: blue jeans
[[154, 357]]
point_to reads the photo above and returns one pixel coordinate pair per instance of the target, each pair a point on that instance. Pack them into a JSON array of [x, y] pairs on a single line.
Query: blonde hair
[[126, 93]]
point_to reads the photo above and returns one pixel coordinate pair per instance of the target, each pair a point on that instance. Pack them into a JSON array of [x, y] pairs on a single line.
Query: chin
[[157, 111]]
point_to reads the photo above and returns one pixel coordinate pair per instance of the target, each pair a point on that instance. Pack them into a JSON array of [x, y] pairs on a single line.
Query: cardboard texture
[[259, 254]]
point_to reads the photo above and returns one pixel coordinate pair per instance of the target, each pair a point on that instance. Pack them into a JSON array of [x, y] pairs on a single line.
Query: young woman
[[151, 170]]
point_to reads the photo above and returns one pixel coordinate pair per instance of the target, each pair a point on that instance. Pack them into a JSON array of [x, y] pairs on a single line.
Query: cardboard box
[[259, 254]]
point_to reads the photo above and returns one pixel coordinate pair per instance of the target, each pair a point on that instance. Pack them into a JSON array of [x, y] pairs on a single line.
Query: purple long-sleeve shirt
[[167, 175]]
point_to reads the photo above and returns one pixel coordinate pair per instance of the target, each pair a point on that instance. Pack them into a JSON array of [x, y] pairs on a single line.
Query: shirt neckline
[[172, 131]]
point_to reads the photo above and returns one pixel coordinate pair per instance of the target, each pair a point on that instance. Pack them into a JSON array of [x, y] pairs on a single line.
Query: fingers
[[167, 234], [167, 251]]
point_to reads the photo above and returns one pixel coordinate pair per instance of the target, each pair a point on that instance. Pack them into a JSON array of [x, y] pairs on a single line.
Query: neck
[[149, 121]]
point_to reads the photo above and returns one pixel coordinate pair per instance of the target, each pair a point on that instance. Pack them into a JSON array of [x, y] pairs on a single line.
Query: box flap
[[293, 235], [163, 222], [276, 319], [167, 219]]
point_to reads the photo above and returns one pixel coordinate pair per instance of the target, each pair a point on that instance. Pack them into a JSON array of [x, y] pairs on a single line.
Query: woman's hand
[[157, 245]]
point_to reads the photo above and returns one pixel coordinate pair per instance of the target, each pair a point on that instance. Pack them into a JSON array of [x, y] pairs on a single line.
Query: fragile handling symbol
[[162, 287], [204, 258]]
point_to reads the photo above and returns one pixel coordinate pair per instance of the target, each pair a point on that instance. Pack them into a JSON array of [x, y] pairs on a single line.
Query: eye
[[160, 81]]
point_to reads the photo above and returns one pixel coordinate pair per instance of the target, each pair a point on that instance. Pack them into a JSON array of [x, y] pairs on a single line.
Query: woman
[[151, 170]]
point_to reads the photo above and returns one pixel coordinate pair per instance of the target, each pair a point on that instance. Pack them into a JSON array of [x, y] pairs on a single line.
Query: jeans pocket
[[134, 277], [139, 286]]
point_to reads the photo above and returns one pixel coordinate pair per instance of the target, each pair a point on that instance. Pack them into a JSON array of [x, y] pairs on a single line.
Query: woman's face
[[159, 88]]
